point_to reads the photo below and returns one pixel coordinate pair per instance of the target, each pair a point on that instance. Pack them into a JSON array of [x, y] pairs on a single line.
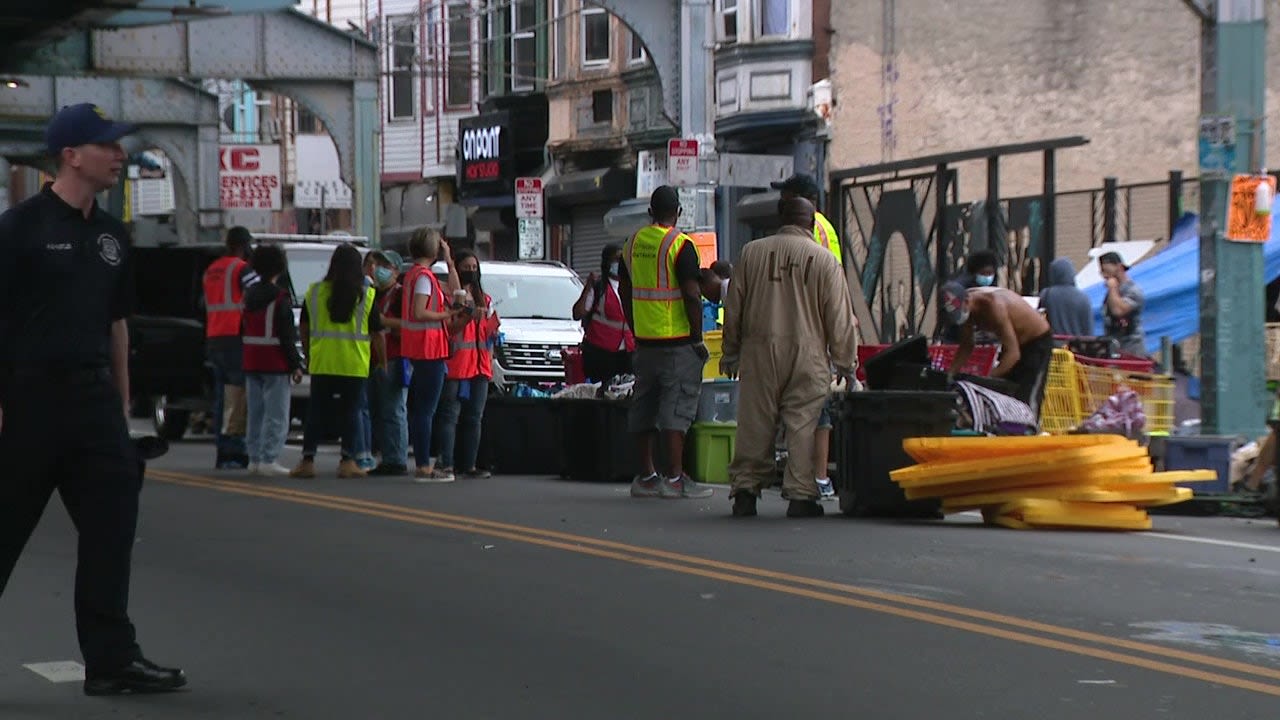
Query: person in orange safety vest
[[225, 281], [468, 372]]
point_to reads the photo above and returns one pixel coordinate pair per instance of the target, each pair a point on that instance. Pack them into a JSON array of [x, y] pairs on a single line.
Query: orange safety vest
[[222, 296], [422, 340], [472, 355], [608, 329]]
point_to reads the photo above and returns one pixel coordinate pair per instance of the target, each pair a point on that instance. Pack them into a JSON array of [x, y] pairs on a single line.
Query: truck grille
[[532, 357]]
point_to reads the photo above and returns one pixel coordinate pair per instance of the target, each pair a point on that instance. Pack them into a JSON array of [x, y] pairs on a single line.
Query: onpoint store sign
[[249, 177]]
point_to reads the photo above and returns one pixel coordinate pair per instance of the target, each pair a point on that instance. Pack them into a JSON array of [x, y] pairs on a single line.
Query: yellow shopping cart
[[1075, 390]]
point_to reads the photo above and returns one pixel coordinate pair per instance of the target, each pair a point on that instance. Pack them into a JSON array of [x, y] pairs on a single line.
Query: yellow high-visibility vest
[[337, 348], [657, 305], [824, 233]]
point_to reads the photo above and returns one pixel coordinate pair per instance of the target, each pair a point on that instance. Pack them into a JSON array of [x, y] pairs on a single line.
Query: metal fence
[[1117, 213]]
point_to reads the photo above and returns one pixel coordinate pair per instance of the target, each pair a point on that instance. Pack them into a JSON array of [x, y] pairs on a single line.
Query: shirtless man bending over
[[1026, 340]]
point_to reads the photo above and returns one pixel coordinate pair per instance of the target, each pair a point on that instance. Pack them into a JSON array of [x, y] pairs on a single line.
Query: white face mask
[[964, 317], [724, 289], [613, 269]]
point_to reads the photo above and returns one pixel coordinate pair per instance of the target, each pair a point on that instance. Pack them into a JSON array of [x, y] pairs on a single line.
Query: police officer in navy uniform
[[66, 289]]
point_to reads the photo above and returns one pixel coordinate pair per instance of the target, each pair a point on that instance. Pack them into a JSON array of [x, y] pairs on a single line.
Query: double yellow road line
[[1171, 661]]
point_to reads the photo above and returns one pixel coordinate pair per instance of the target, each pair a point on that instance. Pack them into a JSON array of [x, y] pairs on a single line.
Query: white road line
[[1212, 541], [62, 671]]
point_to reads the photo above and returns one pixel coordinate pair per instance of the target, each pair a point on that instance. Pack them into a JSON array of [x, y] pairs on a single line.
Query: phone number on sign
[[249, 193]]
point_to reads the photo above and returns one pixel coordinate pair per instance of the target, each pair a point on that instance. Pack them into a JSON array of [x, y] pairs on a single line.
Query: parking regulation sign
[[682, 162], [528, 198]]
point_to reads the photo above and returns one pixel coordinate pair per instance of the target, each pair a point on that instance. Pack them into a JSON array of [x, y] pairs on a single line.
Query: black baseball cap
[[83, 124], [1112, 258], [800, 184], [953, 297], [664, 200]]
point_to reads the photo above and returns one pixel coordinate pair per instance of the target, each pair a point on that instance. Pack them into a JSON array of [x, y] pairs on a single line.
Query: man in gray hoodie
[[1065, 305]]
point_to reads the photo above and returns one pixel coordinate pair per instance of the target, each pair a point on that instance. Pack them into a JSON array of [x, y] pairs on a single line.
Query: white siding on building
[[422, 144]]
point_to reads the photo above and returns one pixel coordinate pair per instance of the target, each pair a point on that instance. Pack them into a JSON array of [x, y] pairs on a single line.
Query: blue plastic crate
[[1202, 452]]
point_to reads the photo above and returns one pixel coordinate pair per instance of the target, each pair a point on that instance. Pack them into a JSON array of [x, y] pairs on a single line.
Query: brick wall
[[985, 72]]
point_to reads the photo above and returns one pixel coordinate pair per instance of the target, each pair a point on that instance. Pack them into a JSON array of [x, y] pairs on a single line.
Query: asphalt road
[[537, 598]]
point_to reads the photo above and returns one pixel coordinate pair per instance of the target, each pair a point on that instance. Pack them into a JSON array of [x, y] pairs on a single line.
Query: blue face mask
[[985, 280], [613, 269], [383, 276]]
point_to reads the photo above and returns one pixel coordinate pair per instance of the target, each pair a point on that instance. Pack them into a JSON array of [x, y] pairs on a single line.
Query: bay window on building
[[727, 20], [775, 18], [459, 73], [596, 38]]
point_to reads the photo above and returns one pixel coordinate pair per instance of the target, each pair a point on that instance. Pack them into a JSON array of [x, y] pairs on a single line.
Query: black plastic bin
[[520, 436], [594, 443], [867, 443]]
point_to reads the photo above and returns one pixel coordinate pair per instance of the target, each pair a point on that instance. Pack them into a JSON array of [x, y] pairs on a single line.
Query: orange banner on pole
[[1244, 222]]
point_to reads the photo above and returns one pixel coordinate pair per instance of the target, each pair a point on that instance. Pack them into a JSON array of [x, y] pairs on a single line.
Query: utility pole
[[697, 109], [1232, 94]]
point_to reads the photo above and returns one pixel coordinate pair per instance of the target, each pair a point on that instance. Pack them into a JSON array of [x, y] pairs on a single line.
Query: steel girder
[[173, 116], [331, 72], [658, 23]]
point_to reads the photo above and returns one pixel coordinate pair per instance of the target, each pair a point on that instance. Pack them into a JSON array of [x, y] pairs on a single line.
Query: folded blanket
[[994, 412]]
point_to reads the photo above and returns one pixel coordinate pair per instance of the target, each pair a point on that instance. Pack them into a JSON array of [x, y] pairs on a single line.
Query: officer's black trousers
[[68, 432]]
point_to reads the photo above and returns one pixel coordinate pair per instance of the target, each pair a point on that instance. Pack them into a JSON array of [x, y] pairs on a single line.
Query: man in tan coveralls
[[787, 318]]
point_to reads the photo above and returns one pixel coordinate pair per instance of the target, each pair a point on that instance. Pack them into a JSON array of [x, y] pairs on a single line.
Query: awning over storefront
[[759, 209], [591, 186]]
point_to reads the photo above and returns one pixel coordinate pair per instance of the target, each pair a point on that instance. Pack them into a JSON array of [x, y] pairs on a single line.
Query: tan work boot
[[348, 469], [305, 469]]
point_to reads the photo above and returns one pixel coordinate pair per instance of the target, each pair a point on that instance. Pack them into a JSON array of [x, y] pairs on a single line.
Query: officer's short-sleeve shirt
[[64, 279]]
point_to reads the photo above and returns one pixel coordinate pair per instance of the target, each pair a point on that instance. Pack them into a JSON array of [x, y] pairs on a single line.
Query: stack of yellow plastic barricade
[[1067, 481], [1074, 391]]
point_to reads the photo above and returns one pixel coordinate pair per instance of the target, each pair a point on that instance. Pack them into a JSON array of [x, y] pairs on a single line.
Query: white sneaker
[[274, 469], [826, 488]]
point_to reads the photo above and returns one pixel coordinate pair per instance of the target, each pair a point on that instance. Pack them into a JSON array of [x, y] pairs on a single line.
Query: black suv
[[169, 376]]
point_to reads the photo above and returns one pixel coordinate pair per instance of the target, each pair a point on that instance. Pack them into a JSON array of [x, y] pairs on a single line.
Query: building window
[[458, 79], [602, 107], [400, 104], [524, 44], [307, 123], [775, 18], [727, 28], [558, 40], [595, 36], [637, 55]]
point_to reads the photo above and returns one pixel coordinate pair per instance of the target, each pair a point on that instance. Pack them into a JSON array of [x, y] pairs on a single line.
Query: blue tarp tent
[[1170, 280]]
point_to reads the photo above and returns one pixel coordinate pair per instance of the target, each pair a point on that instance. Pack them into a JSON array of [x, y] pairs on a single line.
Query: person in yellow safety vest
[[658, 284], [824, 233], [340, 321]]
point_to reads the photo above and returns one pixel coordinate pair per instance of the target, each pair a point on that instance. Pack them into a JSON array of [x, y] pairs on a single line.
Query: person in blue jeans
[[425, 314], [469, 371], [271, 359], [388, 376]]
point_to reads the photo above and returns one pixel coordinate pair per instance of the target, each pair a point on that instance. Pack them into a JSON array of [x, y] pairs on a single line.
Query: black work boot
[[804, 509], [744, 504]]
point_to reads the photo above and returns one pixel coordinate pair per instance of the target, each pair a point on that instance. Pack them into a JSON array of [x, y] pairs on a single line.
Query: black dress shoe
[[744, 504], [139, 676]]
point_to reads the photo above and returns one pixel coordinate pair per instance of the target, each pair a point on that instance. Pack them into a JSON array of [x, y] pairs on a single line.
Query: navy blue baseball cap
[[83, 124]]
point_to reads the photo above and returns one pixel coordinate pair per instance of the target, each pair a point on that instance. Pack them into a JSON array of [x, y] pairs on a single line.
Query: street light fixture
[[13, 83]]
